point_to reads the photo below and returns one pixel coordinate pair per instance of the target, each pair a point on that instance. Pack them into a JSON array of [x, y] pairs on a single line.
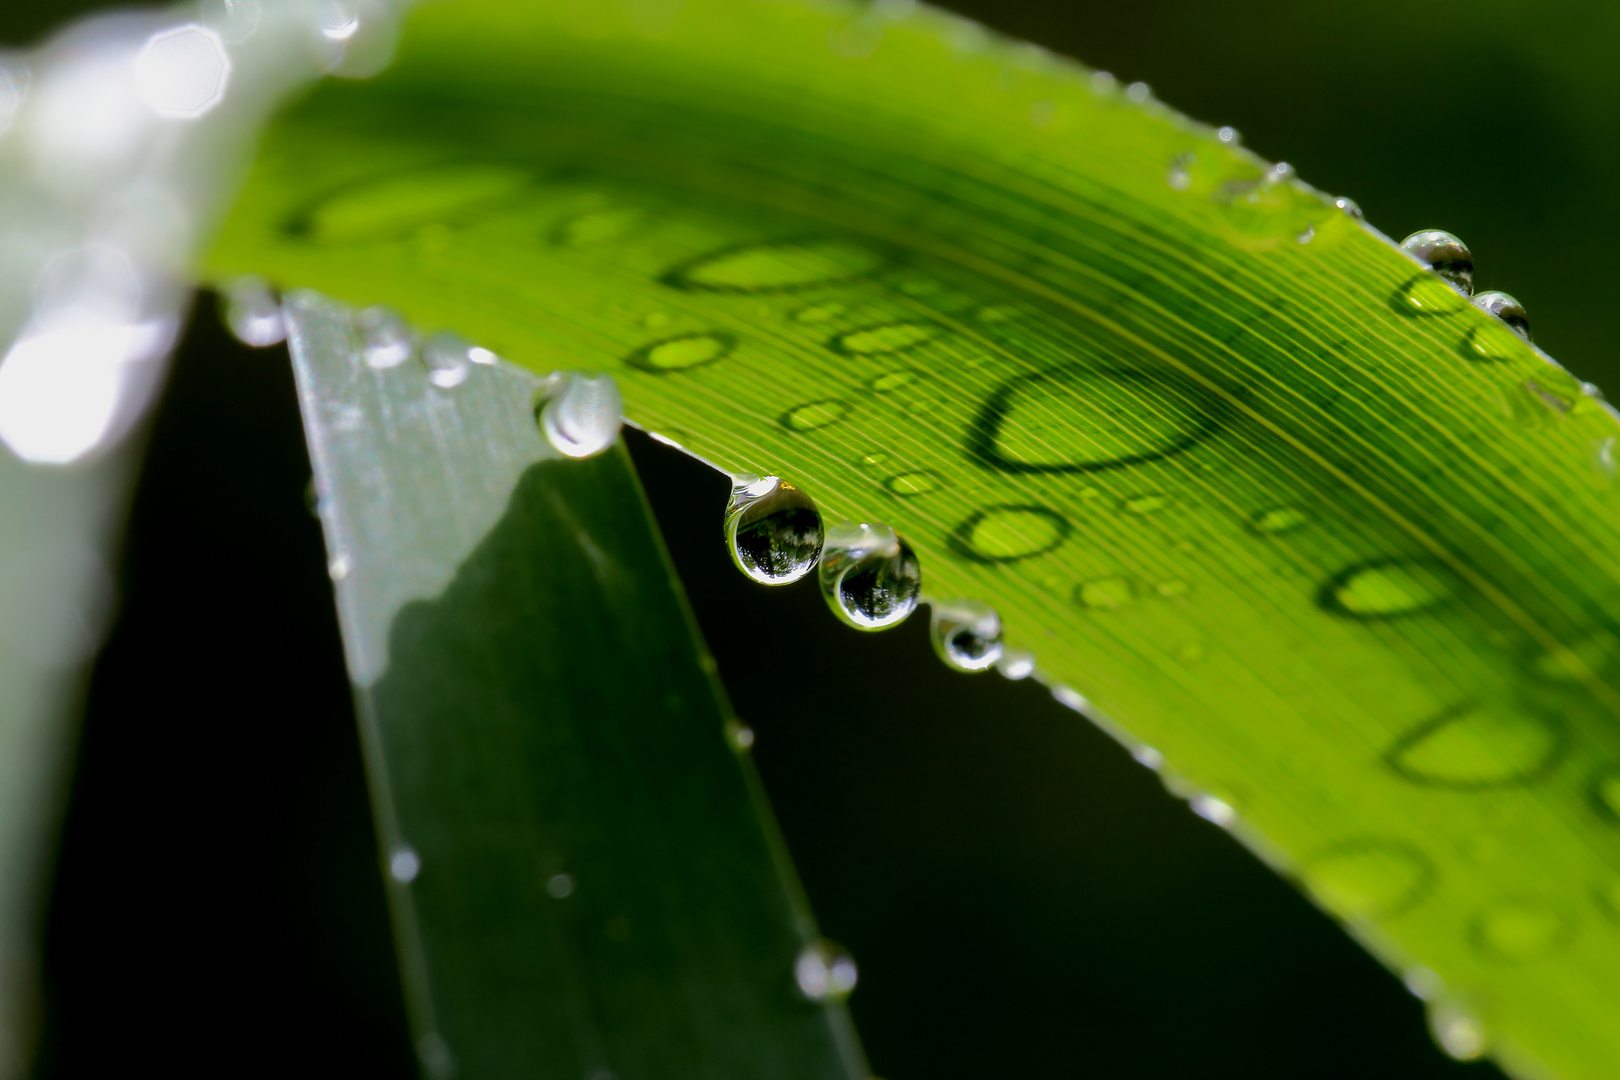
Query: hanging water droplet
[[1016, 664], [1229, 135], [253, 313], [825, 971], [445, 355], [1211, 809], [1457, 1031], [966, 634], [869, 576], [773, 530], [1446, 255], [582, 414], [385, 339], [404, 864], [1349, 206], [1507, 309]]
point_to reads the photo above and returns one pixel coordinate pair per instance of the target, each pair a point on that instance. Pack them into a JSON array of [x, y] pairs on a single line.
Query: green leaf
[[584, 878], [1267, 500]]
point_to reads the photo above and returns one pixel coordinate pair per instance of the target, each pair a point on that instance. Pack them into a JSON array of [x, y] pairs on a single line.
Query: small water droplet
[[582, 414], [1148, 757], [739, 735], [560, 886], [1138, 91], [445, 355], [1507, 309], [869, 576], [1103, 82], [1279, 519], [825, 971], [1308, 235], [816, 414], [1349, 206], [1457, 1031], [1179, 176], [1446, 255], [253, 312], [1385, 589], [872, 460], [1016, 664], [777, 267], [385, 339], [773, 530], [337, 567], [886, 338], [894, 380], [1213, 810], [1105, 594], [1480, 746], [966, 634], [1229, 135], [1070, 698], [1369, 879], [1519, 929], [1145, 504], [404, 864], [909, 484], [684, 352]]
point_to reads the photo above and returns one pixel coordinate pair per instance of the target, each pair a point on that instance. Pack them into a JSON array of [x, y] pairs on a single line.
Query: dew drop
[[1446, 255], [684, 352], [887, 338], [445, 355], [1016, 664], [773, 530], [1349, 206], [399, 205], [1507, 309], [1138, 92], [385, 339], [1105, 594], [816, 414], [1457, 1031], [1070, 698], [337, 567], [560, 886], [825, 971], [1519, 930], [1279, 519], [1490, 344], [1000, 534], [582, 414], [1480, 746], [1148, 757], [1103, 82], [404, 864], [1213, 810], [777, 267], [1384, 590], [873, 460], [253, 312], [1229, 135], [819, 313], [909, 484], [966, 634], [739, 735], [869, 576], [1369, 879], [894, 380]]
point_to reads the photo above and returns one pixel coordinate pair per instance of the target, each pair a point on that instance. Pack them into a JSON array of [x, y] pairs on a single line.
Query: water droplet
[[1385, 589], [1477, 747], [1606, 794], [398, 206], [386, 340], [887, 338], [1138, 92], [825, 971], [869, 576], [1349, 206], [1103, 82], [337, 567], [1147, 756], [582, 414], [1145, 504], [1307, 235], [1457, 1031], [966, 634], [909, 484], [1519, 929], [777, 267], [253, 312], [597, 226], [404, 864], [560, 886], [1016, 663], [684, 352], [1229, 135], [1425, 296], [773, 530], [894, 380], [1421, 982], [1000, 534], [816, 414], [1446, 255], [480, 355], [1070, 698], [1370, 879], [1213, 810], [1279, 519], [739, 735], [1071, 421], [1105, 594], [445, 355], [1507, 309], [1179, 176], [872, 460]]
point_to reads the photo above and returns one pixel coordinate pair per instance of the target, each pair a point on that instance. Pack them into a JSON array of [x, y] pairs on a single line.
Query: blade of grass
[[585, 880]]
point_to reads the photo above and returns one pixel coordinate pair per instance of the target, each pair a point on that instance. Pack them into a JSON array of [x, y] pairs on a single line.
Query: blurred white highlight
[[182, 73]]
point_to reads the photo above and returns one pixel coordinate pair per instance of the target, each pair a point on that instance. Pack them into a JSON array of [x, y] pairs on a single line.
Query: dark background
[[1023, 899]]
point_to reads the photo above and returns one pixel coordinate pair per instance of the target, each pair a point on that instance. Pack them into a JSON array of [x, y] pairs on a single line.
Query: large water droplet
[[1507, 309], [1476, 747], [890, 337], [1370, 879], [778, 267], [773, 530], [581, 417], [386, 340], [966, 634], [1457, 1031], [1385, 589], [825, 971], [1446, 255], [869, 576], [684, 352], [253, 312], [445, 355], [1001, 534]]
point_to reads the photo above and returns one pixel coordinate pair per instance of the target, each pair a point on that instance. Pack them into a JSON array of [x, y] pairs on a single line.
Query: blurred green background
[[1022, 897]]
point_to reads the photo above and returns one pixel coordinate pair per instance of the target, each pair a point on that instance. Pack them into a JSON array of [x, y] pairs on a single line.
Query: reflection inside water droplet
[[825, 971], [966, 634], [1349, 206], [253, 313], [582, 414], [869, 576], [773, 530], [1446, 255], [385, 339]]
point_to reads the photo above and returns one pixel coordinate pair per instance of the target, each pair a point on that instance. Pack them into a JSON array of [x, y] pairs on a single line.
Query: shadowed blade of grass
[[584, 878], [1333, 548]]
